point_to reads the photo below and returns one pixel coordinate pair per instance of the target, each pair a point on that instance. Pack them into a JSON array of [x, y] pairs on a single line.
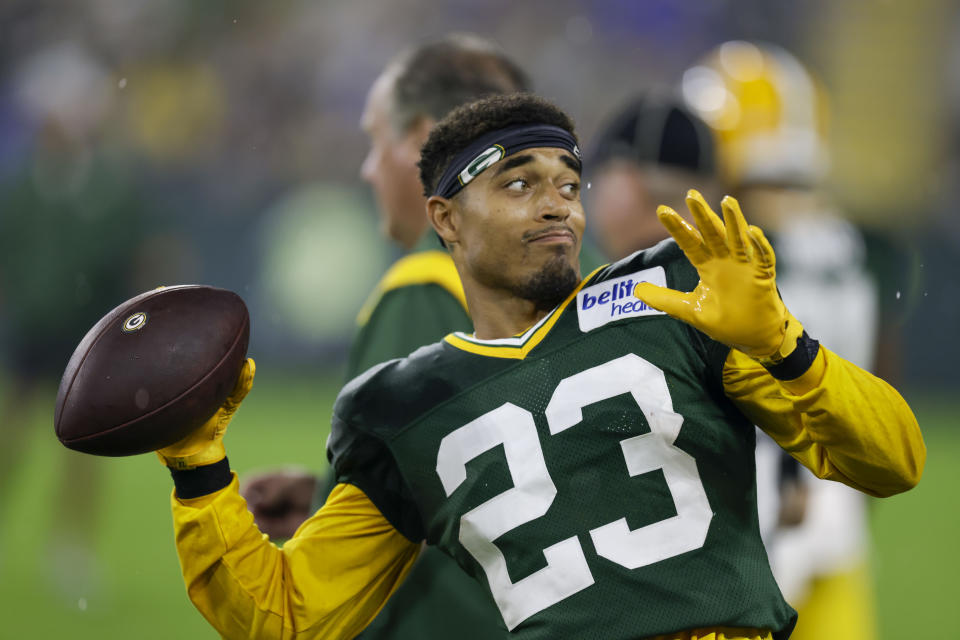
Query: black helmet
[[656, 130]]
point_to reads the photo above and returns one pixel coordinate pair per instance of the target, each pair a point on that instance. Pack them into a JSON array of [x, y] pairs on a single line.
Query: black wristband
[[201, 481], [799, 360]]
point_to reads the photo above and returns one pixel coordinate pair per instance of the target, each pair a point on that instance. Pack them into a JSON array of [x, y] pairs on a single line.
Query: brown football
[[152, 370]]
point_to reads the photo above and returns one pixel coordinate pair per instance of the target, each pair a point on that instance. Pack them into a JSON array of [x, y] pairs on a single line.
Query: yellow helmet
[[766, 111]]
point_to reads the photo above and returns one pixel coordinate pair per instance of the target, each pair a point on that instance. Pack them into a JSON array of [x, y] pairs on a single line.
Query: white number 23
[[534, 491]]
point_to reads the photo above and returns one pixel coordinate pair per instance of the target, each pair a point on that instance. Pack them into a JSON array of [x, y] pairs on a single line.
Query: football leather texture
[[152, 370]]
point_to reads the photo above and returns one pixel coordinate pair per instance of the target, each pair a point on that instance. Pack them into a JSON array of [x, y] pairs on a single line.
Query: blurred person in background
[[418, 301], [768, 115], [69, 233], [649, 153]]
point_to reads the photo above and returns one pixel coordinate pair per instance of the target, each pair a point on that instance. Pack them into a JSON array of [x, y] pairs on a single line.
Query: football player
[[771, 135], [586, 453], [418, 301]]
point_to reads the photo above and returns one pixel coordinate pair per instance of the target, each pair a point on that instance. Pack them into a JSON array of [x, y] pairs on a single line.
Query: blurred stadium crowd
[[146, 143]]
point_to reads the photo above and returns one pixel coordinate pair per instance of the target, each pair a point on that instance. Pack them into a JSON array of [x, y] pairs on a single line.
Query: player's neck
[[499, 314]]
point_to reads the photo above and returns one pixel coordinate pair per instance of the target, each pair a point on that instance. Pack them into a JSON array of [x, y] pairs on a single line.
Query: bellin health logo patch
[[613, 299]]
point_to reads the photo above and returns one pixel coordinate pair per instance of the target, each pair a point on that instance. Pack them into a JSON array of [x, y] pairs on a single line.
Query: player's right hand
[[279, 500], [205, 445]]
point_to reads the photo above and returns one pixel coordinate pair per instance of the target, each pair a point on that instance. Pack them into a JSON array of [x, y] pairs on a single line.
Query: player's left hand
[[736, 301]]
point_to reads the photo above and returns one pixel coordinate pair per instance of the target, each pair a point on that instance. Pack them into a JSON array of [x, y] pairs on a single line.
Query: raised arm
[[328, 581], [837, 419]]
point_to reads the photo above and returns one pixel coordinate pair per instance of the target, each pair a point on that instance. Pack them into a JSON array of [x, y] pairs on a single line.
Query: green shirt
[[591, 472], [418, 301]]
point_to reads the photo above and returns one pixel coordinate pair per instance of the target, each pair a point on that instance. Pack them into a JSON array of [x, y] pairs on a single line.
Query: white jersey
[[822, 277]]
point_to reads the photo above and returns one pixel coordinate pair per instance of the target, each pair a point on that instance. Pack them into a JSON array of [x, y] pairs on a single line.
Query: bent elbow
[[906, 475], [910, 477], [907, 468], [913, 465]]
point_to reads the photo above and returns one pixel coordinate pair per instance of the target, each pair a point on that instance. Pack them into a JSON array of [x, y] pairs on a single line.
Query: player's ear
[[440, 212]]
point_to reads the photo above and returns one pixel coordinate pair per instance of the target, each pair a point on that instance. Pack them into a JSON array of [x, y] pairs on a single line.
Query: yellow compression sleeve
[[839, 421], [328, 581], [717, 634]]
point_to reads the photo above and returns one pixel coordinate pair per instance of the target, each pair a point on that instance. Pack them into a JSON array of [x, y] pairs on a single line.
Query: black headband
[[490, 148]]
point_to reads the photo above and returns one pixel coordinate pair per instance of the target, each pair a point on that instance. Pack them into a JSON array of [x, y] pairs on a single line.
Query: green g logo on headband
[[481, 163]]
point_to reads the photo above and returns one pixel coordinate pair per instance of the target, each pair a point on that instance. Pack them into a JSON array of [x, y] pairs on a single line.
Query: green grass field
[[130, 586]]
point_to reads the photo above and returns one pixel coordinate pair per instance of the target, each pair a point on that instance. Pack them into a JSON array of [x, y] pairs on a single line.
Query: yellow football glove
[[736, 301], [205, 445]]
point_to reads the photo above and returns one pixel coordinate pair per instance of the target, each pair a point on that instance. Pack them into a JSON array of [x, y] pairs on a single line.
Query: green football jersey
[[418, 301], [591, 472]]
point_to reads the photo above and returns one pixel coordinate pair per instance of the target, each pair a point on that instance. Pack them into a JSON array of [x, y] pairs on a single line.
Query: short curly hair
[[466, 123]]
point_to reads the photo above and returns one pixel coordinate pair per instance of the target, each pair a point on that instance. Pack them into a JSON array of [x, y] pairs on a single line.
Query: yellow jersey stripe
[[526, 341], [425, 267]]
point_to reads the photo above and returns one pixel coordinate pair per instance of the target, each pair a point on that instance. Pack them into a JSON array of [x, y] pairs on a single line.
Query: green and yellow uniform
[[596, 474], [418, 301]]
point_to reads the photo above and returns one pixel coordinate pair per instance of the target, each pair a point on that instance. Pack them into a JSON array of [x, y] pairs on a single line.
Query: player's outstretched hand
[[279, 500], [736, 301], [205, 445]]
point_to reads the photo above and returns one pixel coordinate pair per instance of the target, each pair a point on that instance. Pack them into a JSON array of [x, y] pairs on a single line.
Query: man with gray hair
[[418, 301]]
